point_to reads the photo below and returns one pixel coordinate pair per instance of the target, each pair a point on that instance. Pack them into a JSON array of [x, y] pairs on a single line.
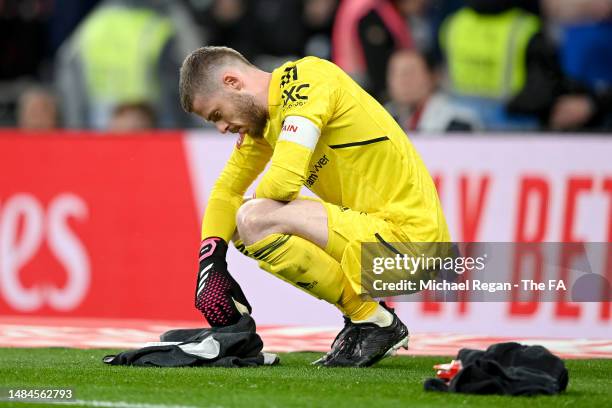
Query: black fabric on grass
[[238, 346], [506, 369]]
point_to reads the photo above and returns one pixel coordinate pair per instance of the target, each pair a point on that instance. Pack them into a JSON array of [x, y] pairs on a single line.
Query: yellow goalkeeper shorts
[[348, 229]]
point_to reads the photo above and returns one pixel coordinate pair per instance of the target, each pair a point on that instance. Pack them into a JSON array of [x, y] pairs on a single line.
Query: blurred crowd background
[[436, 65]]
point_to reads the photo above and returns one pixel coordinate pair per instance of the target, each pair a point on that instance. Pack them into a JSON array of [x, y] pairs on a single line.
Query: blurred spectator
[[24, 55], [267, 32], [424, 18], [318, 18], [366, 32], [578, 11], [415, 13], [572, 112], [37, 110], [279, 27], [500, 60], [497, 6], [228, 23], [586, 56], [416, 104], [125, 50], [133, 116], [23, 38], [64, 18]]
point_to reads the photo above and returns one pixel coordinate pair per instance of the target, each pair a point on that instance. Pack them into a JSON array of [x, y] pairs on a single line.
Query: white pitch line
[[103, 404]]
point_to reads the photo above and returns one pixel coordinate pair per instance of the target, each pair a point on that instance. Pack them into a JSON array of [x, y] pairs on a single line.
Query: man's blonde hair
[[199, 68]]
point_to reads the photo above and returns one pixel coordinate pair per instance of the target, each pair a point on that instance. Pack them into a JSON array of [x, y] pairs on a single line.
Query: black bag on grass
[[237, 345], [506, 369]]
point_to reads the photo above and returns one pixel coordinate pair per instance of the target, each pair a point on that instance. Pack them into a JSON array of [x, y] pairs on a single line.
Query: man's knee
[[255, 219]]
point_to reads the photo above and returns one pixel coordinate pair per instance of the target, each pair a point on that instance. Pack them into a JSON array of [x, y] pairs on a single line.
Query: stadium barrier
[[107, 226]]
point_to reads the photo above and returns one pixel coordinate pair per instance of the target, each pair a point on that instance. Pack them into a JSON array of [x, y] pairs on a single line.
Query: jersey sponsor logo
[[292, 94], [300, 130], [290, 74], [290, 128], [313, 174]]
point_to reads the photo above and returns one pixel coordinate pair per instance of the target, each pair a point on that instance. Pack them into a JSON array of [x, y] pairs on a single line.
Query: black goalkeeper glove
[[218, 296]]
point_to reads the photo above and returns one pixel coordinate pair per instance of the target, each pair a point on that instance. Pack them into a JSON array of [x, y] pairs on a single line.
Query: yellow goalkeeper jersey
[[361, 160]]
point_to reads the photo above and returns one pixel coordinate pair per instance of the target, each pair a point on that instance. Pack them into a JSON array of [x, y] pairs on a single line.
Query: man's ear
[[232, 80]]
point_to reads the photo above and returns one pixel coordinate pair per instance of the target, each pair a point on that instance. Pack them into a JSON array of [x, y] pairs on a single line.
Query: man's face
[[130, 120], [408, 79], [232, 111], [37, 111]]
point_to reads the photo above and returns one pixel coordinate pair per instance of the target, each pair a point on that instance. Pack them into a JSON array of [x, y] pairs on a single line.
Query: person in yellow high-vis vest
[[486, 53], [125, 51], [500, 62]]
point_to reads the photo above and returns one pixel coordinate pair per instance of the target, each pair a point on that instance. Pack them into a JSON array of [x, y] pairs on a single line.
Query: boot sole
[[403, 343]]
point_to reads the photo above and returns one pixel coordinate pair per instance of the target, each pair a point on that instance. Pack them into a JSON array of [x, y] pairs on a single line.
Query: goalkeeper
[[317, 128]]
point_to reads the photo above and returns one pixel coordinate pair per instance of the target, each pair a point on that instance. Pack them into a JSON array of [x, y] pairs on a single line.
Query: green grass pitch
[[394, 382]]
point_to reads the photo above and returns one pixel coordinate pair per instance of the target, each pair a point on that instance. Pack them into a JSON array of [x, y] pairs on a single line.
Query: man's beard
[[254, 116]]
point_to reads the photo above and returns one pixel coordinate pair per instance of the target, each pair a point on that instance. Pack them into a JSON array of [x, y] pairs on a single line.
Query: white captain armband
[[300, 130]]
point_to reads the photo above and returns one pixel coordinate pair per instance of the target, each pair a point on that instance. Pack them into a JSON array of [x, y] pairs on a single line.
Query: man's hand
[[571, 112], [218, 295]]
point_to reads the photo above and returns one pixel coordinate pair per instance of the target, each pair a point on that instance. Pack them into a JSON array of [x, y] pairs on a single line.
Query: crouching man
[[317, 128]]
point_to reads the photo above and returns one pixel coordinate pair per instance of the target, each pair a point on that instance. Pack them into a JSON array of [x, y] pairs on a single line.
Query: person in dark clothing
[[424, 18], [255, 28], [226, 22], [22, 38], [498, 6], [366, 33], [585, 43], [65, 17], [24, 57], [318, 19]]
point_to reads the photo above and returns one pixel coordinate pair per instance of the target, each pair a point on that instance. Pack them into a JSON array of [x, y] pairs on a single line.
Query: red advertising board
[[96, 226], [100, 225]]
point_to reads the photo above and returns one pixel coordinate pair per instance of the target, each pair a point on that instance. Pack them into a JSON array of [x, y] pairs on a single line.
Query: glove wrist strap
[[212, 246]]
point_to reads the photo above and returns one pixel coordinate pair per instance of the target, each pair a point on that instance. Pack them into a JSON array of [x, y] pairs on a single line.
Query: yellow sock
[[308, 267], [353, 306]]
